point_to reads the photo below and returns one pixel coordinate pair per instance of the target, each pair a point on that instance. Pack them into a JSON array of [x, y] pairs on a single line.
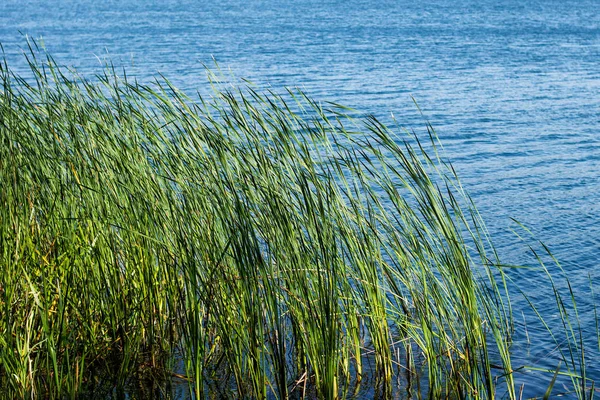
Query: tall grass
[[265, 243]]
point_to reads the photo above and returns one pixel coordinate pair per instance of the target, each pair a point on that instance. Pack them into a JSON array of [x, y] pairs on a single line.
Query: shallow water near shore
[[512, 88]]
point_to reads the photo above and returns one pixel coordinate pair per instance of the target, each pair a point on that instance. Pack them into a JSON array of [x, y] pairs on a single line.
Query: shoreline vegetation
[[267, 245]]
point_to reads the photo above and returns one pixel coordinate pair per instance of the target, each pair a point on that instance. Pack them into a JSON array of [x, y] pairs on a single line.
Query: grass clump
[[267, 244]]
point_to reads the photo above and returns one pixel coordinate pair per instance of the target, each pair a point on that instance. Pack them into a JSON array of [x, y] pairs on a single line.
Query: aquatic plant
[[270, 244]]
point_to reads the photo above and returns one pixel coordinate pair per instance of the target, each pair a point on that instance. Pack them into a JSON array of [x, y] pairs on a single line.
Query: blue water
[[512, 87]]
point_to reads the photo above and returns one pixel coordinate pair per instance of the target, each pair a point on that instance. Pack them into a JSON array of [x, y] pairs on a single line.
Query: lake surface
[[512, 87]]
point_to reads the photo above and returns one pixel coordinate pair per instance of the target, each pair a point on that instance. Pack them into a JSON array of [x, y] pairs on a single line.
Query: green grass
[[273, 245]]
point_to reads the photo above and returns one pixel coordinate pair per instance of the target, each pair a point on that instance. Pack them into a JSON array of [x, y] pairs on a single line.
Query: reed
[[260, 242]]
